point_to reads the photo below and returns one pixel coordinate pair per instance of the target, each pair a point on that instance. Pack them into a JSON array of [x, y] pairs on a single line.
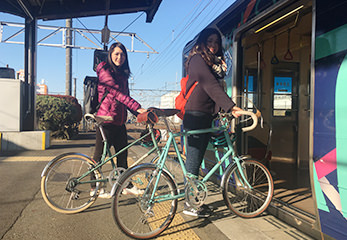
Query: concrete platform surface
[[221, 225]]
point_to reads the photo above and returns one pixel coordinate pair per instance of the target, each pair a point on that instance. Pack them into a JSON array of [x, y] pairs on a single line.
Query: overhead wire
[[88, 30], [3, 63], [165, 51], [180, 23], [214, 10], [170, 54], [128, 26], [166, 61], [204, 23], [195, 8]]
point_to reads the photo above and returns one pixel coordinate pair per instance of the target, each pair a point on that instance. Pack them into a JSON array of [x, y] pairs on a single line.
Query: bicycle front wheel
[[139, 215], [242, 200], [61, 187]]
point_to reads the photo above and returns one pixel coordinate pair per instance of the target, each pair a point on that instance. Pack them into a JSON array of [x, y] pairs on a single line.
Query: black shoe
[[203, 211]]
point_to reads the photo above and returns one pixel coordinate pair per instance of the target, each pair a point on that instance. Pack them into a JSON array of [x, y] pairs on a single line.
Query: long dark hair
[[200, 47], [124, 69]]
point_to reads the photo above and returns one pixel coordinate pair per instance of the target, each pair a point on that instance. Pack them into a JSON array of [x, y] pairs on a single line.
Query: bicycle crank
[[196, 192]]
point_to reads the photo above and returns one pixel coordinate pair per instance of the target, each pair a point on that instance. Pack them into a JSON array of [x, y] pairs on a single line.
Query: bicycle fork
[[241, 174]]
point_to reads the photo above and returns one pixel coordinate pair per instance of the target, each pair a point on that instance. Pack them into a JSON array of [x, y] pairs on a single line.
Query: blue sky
[[175, 24]]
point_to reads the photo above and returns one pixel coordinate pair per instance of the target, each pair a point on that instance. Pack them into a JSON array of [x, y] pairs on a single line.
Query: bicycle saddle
[[160, 112], [98, 119]]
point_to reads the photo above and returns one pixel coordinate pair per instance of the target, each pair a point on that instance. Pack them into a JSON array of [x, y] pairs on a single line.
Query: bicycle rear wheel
[[60, 188], [138, 216], [239, 198]]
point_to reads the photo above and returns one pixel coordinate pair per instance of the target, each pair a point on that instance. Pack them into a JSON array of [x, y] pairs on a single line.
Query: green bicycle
[[246, 184], [66, 181]]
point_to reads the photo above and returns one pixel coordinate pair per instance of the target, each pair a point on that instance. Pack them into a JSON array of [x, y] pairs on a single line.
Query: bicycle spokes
[[243, 200], [149, 213]]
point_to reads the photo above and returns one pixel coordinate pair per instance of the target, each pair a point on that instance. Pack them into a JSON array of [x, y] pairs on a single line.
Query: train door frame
[[267, 16], [279, 9]]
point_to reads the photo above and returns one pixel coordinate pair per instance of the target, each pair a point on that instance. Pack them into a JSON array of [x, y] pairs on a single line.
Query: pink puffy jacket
[[117, 100]]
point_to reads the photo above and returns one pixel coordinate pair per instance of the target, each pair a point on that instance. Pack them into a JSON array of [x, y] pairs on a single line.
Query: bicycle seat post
[[167, 124], [102, 132]]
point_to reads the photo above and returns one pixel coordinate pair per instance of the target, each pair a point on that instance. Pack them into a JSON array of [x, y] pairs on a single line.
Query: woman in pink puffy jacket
[[113, 79]]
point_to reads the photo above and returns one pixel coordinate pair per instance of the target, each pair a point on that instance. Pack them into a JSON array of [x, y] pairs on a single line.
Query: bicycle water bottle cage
[[218, 140], [147, 141]]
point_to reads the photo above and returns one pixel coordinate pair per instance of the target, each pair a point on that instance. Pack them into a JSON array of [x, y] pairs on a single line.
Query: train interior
[[275, 67]]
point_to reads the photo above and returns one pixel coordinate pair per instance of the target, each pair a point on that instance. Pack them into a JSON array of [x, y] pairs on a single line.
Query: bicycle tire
[[54, 184], [135, 215], [242, 201]]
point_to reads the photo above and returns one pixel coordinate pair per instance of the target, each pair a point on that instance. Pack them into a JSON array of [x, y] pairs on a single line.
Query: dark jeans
[[196, 144], [117, 137]]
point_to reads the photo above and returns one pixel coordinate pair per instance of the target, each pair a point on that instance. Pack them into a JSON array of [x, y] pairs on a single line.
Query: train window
[[250, 90], [282, 98]]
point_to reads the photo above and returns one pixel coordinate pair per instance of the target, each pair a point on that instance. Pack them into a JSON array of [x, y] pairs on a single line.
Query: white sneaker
[[134, 190], [203, 212], [102, 193], [92, 192]]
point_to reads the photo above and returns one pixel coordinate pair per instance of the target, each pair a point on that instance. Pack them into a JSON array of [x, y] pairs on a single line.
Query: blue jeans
[[197, 143]]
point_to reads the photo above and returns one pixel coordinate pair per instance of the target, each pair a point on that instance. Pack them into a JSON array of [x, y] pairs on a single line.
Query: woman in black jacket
[[205, 65]]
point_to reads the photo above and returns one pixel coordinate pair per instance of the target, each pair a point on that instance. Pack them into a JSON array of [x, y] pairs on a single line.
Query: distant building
[[20, 75], [42, 88], [168, 101]]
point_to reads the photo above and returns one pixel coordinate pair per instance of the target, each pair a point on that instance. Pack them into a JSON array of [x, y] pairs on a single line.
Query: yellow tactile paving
[[178, 229], [26, 158]]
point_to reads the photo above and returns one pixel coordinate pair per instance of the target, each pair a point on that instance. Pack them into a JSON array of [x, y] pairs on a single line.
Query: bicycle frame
[[171, 141], [107, 152]]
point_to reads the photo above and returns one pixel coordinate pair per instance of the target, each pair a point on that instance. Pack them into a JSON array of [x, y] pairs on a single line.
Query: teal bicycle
[[247, 185], [71, 182]]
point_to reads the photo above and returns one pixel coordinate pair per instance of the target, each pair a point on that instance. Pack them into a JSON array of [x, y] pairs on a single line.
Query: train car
[[289, 58]]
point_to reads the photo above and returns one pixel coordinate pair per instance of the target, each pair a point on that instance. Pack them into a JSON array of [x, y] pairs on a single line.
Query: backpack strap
[[190, 91], [102, 99]]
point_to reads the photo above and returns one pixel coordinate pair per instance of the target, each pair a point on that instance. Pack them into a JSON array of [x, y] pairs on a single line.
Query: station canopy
[[63, 9]]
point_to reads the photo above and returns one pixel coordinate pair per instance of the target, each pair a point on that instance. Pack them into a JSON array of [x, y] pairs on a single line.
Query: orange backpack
[[182, 98]]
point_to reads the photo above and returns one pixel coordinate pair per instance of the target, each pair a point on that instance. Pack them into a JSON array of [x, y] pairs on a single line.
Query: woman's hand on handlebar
[[141, 110], [234, 110]]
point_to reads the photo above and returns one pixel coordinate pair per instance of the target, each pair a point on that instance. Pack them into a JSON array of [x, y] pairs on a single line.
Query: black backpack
[[90, 100]]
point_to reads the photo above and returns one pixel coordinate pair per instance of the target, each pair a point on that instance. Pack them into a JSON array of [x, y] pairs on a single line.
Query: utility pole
[[74, 87], [68, 61]]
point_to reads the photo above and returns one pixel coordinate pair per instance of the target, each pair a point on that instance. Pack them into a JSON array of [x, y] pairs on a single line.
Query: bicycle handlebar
[[229, 117], [254, 118]]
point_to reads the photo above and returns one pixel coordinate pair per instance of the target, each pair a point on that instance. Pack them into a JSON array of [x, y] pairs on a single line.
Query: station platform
[[222, 224]]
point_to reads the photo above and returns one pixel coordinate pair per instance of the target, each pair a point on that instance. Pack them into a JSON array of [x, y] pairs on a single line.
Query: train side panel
[[330, 117]]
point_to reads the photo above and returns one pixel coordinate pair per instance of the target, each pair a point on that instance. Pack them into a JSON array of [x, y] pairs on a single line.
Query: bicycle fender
[[243, 158], [44, 171], [224, 177]]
